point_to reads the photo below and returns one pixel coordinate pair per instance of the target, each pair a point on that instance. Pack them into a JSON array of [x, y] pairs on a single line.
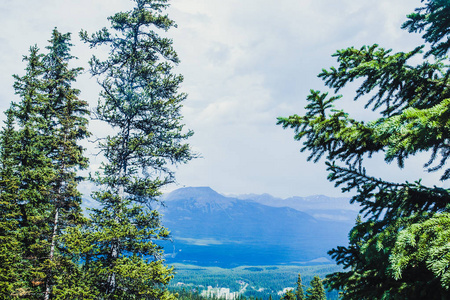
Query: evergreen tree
[[10, 247], [38, 179], [289, 295], [382, 260], [316, 291], [34, 173], [141, 102], [67, 115], [299, 295]]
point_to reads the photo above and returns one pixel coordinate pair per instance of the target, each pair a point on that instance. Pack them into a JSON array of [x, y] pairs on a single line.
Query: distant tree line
[[316, 291]]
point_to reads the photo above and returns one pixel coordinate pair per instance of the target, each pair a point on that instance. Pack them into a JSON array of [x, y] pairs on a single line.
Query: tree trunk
[[52, 253]]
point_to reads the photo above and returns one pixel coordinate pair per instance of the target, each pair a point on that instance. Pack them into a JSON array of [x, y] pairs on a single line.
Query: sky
[[245, 63]]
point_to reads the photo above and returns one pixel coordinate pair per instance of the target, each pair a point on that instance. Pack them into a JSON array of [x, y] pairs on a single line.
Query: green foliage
[[10, 247], [316, 291], [434, 19], [393, 253], [424, 241], [48, 248], [141, 102], [32, 172], [289, 295], [39, 159], [184, 294], [270, 280], [299, 295], [66, 115]]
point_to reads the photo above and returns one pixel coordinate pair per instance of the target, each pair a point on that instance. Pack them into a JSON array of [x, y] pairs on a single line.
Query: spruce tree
[[381, 260], [67, 116], [289, 295], [38, 181], [141, 102], [34, 173], [299, 295], [10, 247], [316, 291]]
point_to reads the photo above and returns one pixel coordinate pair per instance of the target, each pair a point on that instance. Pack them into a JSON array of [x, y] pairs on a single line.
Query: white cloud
[[245, 63]]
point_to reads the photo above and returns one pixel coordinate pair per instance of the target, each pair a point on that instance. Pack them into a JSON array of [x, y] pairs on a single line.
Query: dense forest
[[314, 291], [50, 249], [249, 281]]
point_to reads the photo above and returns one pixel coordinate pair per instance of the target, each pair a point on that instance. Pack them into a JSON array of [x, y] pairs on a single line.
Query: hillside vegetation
[[252, 281]]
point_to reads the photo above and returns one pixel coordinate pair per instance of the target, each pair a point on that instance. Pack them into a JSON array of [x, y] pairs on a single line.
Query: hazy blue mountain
[[212, 229], [319, 206]]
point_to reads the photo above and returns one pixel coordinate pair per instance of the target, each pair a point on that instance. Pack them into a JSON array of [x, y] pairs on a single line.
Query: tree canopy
[[141, 102], [397, 250], [316, 291], [49, 249], [40, 156]]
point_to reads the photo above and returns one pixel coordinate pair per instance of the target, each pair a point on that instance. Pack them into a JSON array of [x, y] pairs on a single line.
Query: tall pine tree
[[316, 291], [67, 116], [141, 102], [11, 280], [394, 253], [39, 159], [33, 171], [289, 295], [299, 294]]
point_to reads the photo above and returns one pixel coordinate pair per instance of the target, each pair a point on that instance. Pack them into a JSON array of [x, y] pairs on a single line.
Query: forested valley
[[50, 248]]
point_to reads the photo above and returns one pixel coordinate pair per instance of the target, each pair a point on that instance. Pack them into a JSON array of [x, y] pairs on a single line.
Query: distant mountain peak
[[256, 196], [210, 228], [205, 194], [195, 189], [198, 193]]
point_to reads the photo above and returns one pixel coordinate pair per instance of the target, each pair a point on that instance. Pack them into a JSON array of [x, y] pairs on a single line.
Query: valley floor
[[247, 281]]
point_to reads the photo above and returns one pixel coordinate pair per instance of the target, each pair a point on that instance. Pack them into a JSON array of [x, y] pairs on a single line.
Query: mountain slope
[[211, 229]]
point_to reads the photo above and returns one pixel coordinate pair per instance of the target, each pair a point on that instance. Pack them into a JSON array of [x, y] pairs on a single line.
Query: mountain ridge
[[212, 229]]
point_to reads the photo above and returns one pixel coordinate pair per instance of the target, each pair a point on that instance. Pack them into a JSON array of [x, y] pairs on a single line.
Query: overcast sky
[[245, 63]]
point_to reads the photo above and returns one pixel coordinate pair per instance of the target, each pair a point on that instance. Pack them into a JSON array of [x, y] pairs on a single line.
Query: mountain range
[[211, 229]]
